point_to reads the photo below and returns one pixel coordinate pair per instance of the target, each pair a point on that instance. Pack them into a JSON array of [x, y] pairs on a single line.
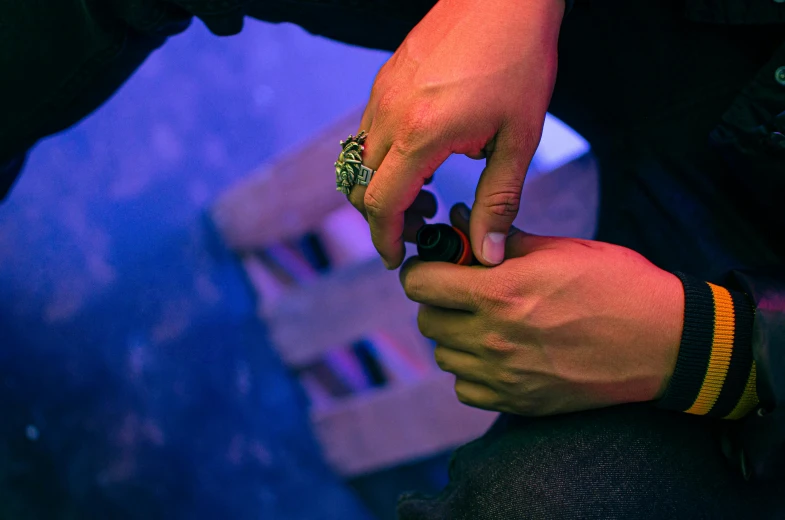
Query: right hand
[[473, 78]]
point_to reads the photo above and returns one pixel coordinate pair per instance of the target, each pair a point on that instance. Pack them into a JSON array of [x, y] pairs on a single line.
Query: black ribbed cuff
[[715, 372]]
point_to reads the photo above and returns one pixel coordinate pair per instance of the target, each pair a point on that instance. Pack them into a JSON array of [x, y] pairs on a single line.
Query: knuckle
[[424, 324], [388, 98], [508, 378], [419, 128], [498, 344], [501, 295], [413, 288], [477, 294], [373, 203], [503, 203], [440, 358], [408, 145], [499, 404], [419, 118], [461, 393], [462, 397]]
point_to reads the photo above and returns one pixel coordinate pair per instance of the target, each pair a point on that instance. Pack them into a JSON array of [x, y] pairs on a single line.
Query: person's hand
[[562, 325], [472, 78]]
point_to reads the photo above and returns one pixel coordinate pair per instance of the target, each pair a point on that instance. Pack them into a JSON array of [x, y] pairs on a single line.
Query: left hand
[[562, 325]]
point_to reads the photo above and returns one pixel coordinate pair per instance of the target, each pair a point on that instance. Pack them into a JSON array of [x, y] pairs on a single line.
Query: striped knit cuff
[[715, 370]]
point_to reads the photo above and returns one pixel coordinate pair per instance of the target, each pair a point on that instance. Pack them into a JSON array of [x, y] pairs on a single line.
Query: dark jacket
[[751, 138], [687, 116], [61, 60]]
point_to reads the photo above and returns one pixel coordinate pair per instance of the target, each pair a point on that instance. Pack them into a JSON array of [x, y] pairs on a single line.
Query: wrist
[[671, 313]]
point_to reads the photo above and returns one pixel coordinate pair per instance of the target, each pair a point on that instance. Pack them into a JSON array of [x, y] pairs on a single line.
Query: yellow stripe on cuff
[[721, 350], [749, 398]]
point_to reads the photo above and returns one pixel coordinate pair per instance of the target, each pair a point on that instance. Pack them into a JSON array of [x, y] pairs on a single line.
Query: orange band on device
[[466, 257], [443, 243]]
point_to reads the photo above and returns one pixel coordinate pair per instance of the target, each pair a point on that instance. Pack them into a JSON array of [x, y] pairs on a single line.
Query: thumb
[[498, 198], [518, 242]]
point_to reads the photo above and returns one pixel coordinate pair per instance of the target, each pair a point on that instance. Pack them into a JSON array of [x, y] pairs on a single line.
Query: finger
[[476, 395], [498, 195], [411, 224], [425, 204], [451, 328], [518, 243], [463, 365], [441, 284], [393, 189], [459, 217], [376, 146]]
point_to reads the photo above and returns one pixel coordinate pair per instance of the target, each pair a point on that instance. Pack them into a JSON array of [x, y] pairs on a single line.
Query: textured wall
[[134, 381]]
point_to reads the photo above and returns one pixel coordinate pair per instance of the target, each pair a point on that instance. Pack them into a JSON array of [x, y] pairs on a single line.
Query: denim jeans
[[629, 461]]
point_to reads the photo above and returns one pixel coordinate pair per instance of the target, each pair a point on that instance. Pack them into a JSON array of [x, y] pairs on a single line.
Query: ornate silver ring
[[349, 169]]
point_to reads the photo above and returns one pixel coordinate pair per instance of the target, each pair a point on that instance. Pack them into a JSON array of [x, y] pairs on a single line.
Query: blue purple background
[[135, 381]]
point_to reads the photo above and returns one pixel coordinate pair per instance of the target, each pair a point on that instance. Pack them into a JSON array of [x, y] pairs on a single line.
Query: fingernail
[[493, 248], [463, 211]]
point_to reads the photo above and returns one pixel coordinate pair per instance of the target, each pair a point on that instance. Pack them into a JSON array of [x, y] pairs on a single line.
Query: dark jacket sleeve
[[743, 379], [9, 171], [751, 139], [715, 372], [731, 365], [61, 60], [761, 437], [732, 12]]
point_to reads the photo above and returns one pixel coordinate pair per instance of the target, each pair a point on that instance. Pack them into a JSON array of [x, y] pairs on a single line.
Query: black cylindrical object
[[443, 243]]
